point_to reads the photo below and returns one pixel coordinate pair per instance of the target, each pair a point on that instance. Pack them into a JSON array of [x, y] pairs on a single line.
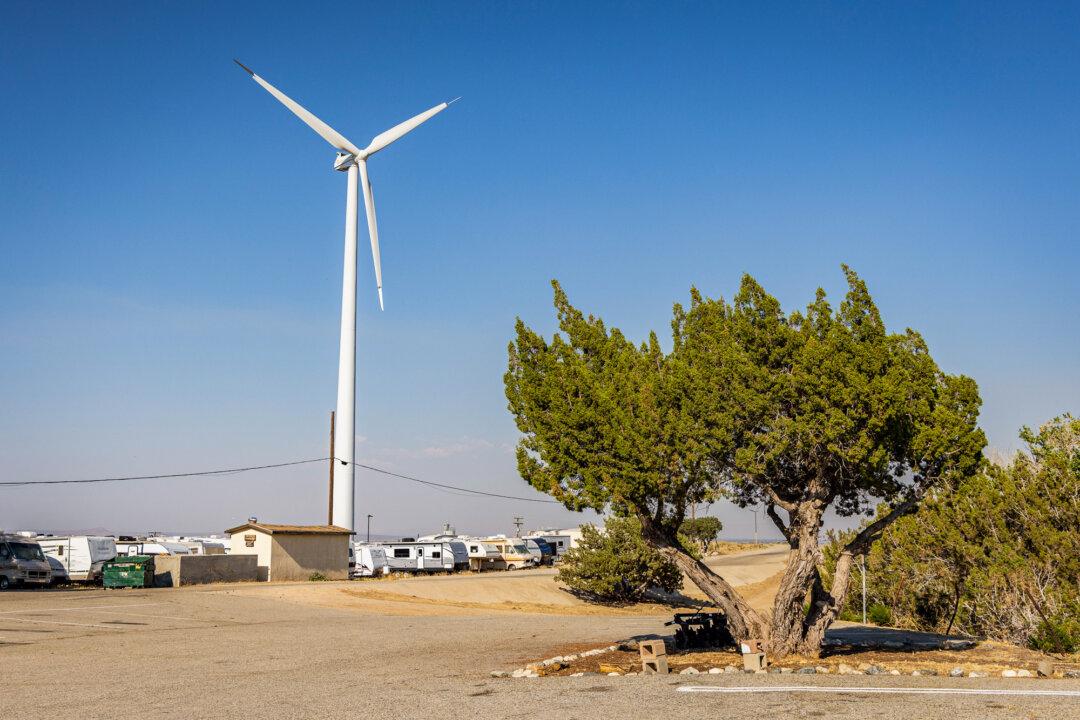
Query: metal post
[[369, 527], [755, 526], [862, 566]]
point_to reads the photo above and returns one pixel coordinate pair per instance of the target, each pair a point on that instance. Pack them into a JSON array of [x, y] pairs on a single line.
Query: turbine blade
[[327, 133], [372, 225], [385, 138]]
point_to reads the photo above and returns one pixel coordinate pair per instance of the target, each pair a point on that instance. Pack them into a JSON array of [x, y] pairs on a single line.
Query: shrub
[[316, 577], [878, 614], [1059, 634], [615, 565]]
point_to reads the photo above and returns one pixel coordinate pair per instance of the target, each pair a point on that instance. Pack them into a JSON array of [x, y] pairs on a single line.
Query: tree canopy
[[999, 555], [796, 411]]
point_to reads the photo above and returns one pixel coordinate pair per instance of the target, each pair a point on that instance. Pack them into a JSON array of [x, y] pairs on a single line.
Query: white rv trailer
[[150, 546], [482, 555], [559, 542], [77, 557], [513, 553], [426, 556], [369, 560]]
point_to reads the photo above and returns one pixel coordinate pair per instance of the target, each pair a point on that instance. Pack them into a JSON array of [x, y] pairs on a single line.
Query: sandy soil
[[755, 572]]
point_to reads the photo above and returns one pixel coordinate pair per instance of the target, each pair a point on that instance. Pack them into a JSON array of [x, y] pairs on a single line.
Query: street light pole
[[369, 527]]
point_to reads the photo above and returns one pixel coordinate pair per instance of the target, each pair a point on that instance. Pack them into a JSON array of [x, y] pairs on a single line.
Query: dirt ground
[[532, 591], [330, 650], [987, 657]]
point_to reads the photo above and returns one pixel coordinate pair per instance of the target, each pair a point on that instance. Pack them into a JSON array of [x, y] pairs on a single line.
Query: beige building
[[293, 552]]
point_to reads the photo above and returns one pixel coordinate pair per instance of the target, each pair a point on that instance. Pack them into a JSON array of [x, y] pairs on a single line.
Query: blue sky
[[171, 236]]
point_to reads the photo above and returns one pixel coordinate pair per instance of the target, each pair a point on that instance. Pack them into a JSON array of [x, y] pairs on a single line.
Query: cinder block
[[753, 661], [653, 657]]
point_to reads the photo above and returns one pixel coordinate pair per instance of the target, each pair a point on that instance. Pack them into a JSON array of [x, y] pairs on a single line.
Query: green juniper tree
[[702, 530], [794, 412], [615, 564]]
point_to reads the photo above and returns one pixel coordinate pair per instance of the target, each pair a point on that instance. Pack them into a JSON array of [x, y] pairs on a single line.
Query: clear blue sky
[[171, 236]]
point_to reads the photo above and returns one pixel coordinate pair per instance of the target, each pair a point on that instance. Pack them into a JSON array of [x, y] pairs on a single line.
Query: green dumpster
[[130, 571]]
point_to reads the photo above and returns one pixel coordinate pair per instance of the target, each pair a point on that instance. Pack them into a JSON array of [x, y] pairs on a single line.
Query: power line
[[230, 471], [227, 471], [450, 487]]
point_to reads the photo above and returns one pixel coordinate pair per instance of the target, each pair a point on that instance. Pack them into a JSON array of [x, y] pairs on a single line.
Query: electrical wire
[[230, 471], [449, 487], [226, 471]]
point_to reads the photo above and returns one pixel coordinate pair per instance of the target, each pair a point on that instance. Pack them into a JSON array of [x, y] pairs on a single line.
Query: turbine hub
[[344, 161]]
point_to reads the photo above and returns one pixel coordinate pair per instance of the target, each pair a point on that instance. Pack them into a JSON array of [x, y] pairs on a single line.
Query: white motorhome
[[370, 560], [513, 553], [77, 557], [426, 556], [22, 562]]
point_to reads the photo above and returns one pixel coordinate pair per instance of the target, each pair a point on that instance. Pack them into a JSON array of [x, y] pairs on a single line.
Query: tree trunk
[[826, 605], [743, 621], [955, 608], [787, 628]]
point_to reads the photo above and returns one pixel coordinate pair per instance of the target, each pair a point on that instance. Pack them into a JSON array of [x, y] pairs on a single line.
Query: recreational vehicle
[[540, 550], [430, 556], [513, 554], [369, 561], [482, 555], [202, 545], [22, 562], [78, 557], [150, 546], [559, 542]]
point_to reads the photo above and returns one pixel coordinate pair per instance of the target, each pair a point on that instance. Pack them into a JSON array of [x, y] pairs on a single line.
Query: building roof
[[273, 529]]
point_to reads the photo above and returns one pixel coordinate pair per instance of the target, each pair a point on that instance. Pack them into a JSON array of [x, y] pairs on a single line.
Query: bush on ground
[[615, 564], [997, 557]]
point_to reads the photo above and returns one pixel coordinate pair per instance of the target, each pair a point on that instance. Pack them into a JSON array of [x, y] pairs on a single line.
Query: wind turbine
[[352, 160]]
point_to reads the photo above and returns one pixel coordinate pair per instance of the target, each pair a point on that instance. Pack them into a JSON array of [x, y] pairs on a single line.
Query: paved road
[[750, 567], [200, 653]]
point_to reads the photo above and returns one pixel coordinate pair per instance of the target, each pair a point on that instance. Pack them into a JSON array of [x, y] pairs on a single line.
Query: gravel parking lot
[[209, 652]]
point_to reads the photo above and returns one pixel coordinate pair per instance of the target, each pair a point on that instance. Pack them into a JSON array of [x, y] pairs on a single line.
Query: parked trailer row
[[442, 554]]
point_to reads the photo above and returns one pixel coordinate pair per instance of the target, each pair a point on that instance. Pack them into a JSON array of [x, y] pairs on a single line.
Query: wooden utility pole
[[330, 510]]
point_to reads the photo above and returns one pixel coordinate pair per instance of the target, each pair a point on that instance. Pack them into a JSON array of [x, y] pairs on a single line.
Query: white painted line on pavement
[[75, 609], [876, 690]]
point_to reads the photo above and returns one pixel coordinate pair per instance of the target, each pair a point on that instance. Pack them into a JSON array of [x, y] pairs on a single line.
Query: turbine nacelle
[[344, 161]]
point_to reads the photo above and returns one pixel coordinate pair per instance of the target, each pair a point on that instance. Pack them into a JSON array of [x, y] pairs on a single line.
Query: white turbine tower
[[352, 160]]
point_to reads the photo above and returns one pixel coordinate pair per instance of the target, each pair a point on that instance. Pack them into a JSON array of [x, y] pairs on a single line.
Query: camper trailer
[[369, 561], [482, 555], [513, 554], [426, 556], [77, 557], [540, 550], [22, 562], [202, 545], [559, 542], [126, 546]]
